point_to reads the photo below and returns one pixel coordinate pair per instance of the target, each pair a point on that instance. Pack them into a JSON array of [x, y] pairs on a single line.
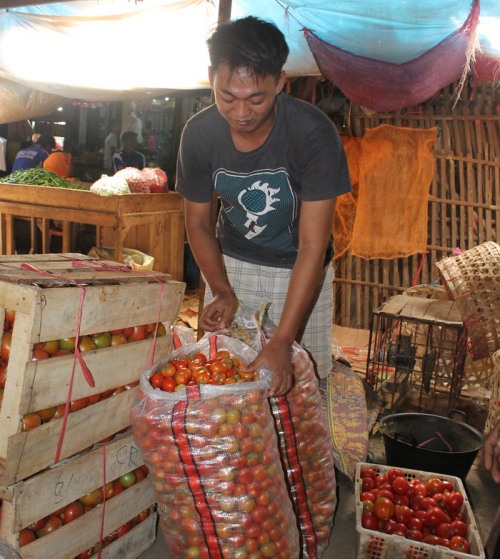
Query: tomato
[[403, 514], [86, 343], [420, 489], [156, 380], [30, 421], [415, 523], [168, 384], [367, 484], [79, 404], [67, 344], [459, 543], [6, 343], [459, 528], [367, 472], [367, 496], [428, 503], [118, 339], [72, 511], [455, 500], [103, 339], [401, 499], [26, 536], [434, 485], [400, 485], [414, 534], [380, 480], [47, 414], [92, 498], [136, 333], [435, 516], [369, 521], [386, 493], [53, 523], [443, 530], [384, 508], [432, 539], [168, 370], [448, 485], [440, 499], [393, 473], [200, 358], [128, 479]]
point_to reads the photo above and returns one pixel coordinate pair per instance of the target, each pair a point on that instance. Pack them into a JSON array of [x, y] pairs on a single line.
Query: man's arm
[[491, 452], [307, 277], [201, 236]]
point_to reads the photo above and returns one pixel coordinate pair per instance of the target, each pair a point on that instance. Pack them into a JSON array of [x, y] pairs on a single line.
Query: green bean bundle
[[38, 177]]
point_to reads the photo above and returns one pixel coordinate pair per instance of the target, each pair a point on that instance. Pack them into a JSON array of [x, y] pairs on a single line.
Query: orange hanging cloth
[[345, 205], [395, 173]]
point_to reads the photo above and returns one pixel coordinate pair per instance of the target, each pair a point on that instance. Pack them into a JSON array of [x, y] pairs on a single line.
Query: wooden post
[[224, 11]]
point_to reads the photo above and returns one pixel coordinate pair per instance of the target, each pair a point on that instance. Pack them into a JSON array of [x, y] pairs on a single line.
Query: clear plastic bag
[[214, 461]]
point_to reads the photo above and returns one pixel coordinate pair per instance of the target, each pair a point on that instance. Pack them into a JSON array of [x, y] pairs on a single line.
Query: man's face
[[244, 100], [130, 144]]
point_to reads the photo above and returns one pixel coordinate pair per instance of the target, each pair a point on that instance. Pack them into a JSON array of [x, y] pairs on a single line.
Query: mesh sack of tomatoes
[[305, 444], [214, 461]]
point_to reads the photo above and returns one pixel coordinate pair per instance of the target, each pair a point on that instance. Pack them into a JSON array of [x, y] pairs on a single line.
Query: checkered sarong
[[254, 285]]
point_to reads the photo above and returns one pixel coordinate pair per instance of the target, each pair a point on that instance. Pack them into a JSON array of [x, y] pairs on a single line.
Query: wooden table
[[150, 223]]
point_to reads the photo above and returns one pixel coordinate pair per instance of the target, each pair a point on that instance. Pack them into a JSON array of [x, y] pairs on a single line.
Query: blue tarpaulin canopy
[[103, 50]]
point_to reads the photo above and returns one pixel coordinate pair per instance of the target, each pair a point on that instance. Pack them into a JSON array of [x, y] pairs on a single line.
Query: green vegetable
[[39, 177]]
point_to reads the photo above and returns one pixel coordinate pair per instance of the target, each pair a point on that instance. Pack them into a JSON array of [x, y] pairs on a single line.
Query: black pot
[[431, 443]]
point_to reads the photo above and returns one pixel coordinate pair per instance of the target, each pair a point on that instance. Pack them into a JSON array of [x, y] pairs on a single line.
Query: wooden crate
[[151, 223], [47, 308], [30, 500]]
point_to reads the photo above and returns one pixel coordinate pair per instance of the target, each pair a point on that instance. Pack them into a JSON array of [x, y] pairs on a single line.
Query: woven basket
[[472, 280]]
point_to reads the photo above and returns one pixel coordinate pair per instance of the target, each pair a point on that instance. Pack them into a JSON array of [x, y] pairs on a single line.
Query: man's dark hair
[[128, 135], [249, 43], [46, 142]]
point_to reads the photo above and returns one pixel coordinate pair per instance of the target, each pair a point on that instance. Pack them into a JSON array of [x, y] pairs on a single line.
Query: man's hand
[[491, 452], [277, 357], [219, 313]]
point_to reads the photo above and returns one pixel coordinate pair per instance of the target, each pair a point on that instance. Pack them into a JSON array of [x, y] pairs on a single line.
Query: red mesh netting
[[386, 86]]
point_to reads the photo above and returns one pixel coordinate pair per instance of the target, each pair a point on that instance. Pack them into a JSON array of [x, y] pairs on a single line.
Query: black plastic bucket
[[431, 443]]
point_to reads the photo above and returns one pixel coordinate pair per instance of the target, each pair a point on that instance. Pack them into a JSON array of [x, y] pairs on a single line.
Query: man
[[34, 155], [277, 164], [128, 156], [110, 147]]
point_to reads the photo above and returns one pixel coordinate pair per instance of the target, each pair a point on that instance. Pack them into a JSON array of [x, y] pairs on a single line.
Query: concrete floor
[[484, 496]]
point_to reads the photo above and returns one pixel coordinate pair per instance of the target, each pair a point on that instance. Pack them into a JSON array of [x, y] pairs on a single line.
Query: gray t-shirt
[[261, 190]]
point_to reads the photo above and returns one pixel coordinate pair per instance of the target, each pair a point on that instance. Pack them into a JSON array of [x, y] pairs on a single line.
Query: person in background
[[111, 146], [128, 156], [60, 161], [35, 154], [277, 164], [491, 459]]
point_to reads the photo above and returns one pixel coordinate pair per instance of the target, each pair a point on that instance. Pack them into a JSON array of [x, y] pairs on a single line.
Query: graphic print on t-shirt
[[261, 205]]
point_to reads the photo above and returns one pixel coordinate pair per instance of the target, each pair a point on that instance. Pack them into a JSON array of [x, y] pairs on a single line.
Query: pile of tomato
[[78, 508], [233, 468], [66, 346], [428, 511], [223, 368]]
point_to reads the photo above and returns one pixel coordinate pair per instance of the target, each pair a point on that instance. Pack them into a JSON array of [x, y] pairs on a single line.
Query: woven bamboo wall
[[464, 198]]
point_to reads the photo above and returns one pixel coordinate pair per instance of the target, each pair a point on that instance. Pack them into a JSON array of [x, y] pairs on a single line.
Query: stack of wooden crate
[[45, 468]]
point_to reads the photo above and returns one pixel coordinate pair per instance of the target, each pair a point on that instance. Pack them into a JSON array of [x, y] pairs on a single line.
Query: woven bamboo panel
[[464, 197]]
